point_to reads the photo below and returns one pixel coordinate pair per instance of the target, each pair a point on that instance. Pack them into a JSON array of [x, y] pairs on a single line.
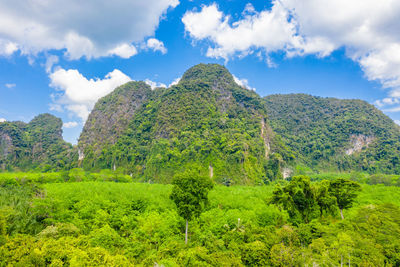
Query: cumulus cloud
[[88, 29], [156, 45], [70, 124], [10, 85], [369, 31], [153, 84], [175, 82], [270, 30], [7, 48], [2, 120], [243, 83], [124, 51], [77, 94]]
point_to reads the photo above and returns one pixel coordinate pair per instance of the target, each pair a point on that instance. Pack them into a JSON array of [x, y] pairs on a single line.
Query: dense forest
[[37, 145], [206, 119], [337, 135], [84, 219]]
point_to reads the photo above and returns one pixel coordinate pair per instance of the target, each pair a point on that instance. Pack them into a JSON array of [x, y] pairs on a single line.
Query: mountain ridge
[[207, 119]]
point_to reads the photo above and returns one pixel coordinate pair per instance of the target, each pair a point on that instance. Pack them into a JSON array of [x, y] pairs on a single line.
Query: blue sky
[[345, 49]]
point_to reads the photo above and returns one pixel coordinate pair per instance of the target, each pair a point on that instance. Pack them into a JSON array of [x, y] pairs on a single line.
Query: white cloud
[[397, 122], [175, 82], [153, 84], [79, 94], [70, 124], [7, 48], [124, 51], [156, 45], [2, 120], [269, 30], [243, 83], [10, 85], [50, 61], [83, 29], [367, 29]]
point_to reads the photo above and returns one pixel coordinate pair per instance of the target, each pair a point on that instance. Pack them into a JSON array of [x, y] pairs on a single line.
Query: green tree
[[297, 197], [325, 200], [345, 191], [190, 194]]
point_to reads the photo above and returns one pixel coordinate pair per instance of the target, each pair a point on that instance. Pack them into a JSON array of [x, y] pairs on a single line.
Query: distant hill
[[334, 134], [206, 120], [34, 145]]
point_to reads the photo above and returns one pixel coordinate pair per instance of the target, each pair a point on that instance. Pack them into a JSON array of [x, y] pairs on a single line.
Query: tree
[[298, 198], [190, 194], [345, 191], [325, 200]]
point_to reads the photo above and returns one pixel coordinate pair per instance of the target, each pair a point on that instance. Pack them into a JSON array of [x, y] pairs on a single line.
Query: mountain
[[111, 115], [34, 145], [334, 134], [205, 120]]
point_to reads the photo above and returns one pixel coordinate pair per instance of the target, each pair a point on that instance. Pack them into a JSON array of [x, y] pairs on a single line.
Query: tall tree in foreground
[[190, 194], [298, 198], [345, 192]]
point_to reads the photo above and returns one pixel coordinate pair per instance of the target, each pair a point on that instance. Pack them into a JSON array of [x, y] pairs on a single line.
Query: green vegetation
[[37, 145], [124, 224], [206, 120], [336, 135], [190, 194], [339, 203], [305, 202]]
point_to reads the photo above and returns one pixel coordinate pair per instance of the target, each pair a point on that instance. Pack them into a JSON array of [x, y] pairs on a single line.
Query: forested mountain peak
[[48, 122], [111, 115], [206, 119], [37, 144], [211, 73], [336, 134]]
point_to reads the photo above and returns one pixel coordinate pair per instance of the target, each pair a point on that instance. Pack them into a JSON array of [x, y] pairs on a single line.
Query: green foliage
[[336, 135], [298, 198], [190, 193], [37, 145], [73, 175], [115, 224], [305, 202], [214, 123], [344, 191]]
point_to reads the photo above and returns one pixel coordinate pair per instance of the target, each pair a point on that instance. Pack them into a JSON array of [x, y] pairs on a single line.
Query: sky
[[60, 56]]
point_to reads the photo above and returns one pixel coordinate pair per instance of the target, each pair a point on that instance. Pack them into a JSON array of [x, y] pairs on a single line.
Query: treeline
[[73, 175], [80, 175]]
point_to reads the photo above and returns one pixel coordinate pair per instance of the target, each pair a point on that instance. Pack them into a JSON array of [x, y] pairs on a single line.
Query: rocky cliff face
[[358, 142], [111, 115], [36, 144]]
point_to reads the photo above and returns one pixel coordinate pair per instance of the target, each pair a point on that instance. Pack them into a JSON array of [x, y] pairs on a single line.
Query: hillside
[[34, 145], [206, 119], [111, 115], [334, 134]]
